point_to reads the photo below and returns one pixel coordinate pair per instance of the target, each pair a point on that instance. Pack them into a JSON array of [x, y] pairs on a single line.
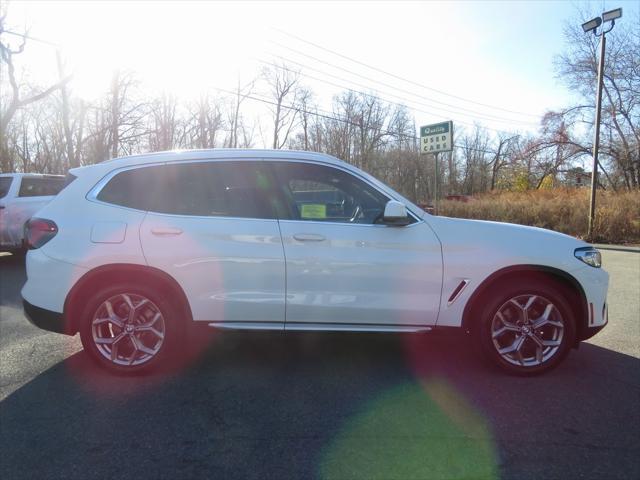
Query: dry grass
[[563, 210]]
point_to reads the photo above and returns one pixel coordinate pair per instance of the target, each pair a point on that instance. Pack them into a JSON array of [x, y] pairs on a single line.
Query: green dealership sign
[[436, 138]]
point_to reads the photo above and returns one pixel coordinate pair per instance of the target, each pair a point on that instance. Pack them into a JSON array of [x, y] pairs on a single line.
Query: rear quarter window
[[5, 184], [41, 186], [131, 188], [212, 189]]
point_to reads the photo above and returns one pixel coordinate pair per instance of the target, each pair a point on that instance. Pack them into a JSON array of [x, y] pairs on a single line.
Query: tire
[[125, 342], [527, 327]]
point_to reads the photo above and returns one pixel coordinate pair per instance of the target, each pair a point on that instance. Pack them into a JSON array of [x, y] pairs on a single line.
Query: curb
[[617, 248]]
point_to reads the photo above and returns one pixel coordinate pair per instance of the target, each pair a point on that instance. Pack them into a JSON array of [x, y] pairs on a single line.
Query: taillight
[[39, 231]]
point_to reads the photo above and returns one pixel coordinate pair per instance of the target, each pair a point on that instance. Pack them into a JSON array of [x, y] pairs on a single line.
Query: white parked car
[[22, 195], [135, 249]]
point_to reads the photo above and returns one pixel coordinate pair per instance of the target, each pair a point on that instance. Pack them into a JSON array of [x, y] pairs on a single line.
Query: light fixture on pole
[[592, 26]]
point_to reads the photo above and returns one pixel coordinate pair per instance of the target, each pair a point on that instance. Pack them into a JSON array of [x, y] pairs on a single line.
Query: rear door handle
[[160, 232], [309, 237]]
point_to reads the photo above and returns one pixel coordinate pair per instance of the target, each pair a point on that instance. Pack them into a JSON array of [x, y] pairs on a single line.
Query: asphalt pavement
[[326, 406]]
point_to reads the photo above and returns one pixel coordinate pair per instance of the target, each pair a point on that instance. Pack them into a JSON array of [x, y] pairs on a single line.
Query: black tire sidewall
[[173, 330], [552, 291]]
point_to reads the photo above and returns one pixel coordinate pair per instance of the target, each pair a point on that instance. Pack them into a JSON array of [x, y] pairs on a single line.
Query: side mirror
[[395, 213]]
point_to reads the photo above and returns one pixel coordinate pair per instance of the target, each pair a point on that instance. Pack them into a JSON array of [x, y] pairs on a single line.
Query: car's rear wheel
[[129, 328], [527, 328]]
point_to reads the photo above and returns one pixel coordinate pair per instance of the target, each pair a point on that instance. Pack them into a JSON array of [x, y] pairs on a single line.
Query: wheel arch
[[578, 303], [111, 274]]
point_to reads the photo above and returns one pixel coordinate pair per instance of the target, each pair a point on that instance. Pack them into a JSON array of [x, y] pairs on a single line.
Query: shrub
[[564, 210]]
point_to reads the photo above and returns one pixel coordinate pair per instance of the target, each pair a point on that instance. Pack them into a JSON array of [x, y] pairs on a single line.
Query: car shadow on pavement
[[12, 278], [328, 406]]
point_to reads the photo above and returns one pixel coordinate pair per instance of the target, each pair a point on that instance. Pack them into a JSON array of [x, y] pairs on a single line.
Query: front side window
[[213, 189], [40, 186], [5, 184], [327, 194]]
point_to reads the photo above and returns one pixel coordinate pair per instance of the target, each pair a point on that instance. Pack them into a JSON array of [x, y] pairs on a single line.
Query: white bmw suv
[[136, 249]]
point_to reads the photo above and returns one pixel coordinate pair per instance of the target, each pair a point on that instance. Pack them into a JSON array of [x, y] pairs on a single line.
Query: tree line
[[49, 130]]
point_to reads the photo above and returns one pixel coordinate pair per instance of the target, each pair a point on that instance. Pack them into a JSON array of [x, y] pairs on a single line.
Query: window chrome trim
[[92, 195], [318, 326], [359, 177]]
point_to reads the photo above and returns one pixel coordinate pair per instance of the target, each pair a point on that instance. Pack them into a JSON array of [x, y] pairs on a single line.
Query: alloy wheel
[[527, 330], [128, 329]]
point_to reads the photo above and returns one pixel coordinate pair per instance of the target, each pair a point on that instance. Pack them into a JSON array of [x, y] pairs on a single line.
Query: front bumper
[[45, 319], [595, 284], [590, 331]]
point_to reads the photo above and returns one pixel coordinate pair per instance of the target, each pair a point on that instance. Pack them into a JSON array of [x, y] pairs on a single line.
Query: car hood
[[506, 242]]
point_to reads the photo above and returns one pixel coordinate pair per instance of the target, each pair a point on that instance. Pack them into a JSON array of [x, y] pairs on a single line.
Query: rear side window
[[5, 184], [212, 189], [40, 186], [131, 188]]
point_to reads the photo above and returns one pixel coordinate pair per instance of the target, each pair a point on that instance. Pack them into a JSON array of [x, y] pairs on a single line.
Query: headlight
[[590, 256]]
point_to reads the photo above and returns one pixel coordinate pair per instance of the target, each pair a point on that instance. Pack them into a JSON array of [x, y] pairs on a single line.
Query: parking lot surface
[[326, 406]]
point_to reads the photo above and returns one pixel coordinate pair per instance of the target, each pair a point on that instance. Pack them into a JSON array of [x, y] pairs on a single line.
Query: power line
[[374, 96], [402, 78], [459, 109], [403, 99], [35, 39], [257, 98]]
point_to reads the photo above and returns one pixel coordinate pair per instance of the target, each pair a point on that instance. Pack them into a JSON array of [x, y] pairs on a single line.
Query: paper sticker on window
[[313, 210]]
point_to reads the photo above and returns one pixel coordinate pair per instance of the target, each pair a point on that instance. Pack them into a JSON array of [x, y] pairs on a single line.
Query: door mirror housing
[[395, 213]]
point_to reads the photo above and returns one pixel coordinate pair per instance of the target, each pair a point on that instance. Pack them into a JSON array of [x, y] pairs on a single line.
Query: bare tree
[[127, 114], [371, 117], [167, 130], [17, 98], [283, 88], [500, 156], [305, 103], [235, 120], [473, 153], [205, 123], [620, 128]]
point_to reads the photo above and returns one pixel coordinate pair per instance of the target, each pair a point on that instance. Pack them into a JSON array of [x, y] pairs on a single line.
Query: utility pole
[[596, 138], [592, 26]]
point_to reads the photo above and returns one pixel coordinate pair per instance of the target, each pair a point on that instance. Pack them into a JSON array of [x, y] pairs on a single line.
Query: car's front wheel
[[527, 328], [129, 328]]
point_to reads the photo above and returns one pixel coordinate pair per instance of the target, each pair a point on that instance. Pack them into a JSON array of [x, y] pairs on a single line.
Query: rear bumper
[[45, 319], [49, 281]]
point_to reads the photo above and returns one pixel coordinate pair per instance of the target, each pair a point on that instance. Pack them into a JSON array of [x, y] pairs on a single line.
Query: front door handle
[[160, 232], [309, 237]]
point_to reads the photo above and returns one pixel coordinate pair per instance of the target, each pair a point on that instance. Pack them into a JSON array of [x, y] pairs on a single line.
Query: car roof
[[95, 171], [217, 153], [35, 175]]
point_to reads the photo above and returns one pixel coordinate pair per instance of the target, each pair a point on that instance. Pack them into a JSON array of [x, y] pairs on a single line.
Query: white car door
[[345, 269], [212, 229]]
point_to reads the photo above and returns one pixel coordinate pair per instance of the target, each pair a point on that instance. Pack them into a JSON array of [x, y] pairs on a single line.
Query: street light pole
[[596, 139], [592, 26]]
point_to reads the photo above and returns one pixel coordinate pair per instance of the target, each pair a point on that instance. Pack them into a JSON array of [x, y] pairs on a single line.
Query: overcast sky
[[467, 61]]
